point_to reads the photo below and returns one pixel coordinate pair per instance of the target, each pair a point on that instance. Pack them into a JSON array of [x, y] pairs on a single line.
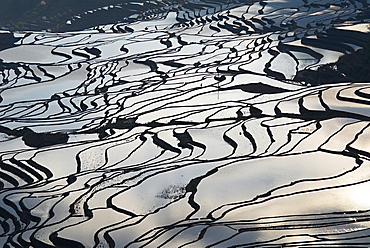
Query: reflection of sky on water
[[29, 54], [169, 147], [244, 180]]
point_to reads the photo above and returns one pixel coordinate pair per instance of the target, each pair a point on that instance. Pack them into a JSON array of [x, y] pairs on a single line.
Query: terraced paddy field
[[199, 123]]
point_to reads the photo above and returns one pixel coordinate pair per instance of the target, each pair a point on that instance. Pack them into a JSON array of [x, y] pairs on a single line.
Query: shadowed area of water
[[184, 124]]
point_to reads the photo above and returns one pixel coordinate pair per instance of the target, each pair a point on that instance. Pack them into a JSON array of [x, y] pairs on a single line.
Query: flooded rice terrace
[[185, 124]]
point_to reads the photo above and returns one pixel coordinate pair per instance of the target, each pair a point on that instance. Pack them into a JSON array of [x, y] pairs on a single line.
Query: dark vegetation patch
[[34, 139], [354, 67], [54, 14], [258, 88], [44, 14], [7, 40], [44, 139]]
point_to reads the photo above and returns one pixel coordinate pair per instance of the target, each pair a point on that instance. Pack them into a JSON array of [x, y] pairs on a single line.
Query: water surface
[[181, 124]]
